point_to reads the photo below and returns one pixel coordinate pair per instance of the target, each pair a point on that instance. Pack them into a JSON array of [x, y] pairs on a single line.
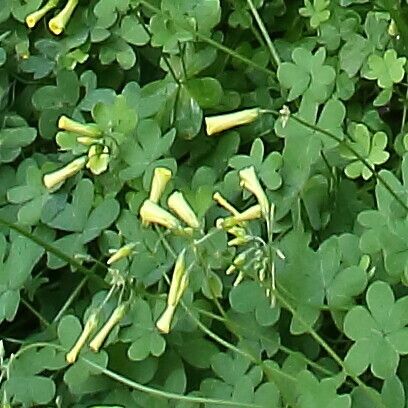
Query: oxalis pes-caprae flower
[[97, 159]]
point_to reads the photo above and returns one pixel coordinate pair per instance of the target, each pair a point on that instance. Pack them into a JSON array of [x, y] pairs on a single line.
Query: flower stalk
[[178, 285], [179, 205], [57, 177], [33, 18], [89, 327], [58, 23], [219, 123]]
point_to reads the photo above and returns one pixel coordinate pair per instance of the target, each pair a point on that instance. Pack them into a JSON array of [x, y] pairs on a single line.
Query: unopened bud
[[252, 213], [223, 202], [122, 252], [152, 213], [161, 177], [219, 123], [178, 204], [250, 182], [89, 327], [51, 180]]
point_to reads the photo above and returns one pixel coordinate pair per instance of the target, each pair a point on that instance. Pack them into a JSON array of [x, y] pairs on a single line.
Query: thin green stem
[[213, 43], [265, 34], [55, 251], [322, 343], [404, 112], [350, 149], [70, 299], [35, 312]]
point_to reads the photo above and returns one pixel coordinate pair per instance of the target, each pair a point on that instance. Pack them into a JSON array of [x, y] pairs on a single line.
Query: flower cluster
[[96, 159], [256, 254], [58, 23]]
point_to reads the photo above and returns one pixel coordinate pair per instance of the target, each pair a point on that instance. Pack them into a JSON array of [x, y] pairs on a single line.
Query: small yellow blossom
[[116, 316], [51, 180], [178, 204], [161, 177], [219, 123], [33, 18], [252, 213], [121, 253], [250, 182], [98, 159], [83, 129], [89, 327], [152, 213], [178, 285], [224, 203], [58, 23]]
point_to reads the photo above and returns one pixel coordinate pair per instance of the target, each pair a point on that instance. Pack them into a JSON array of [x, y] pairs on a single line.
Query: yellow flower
[[89, 327], [161, 177], [33, 18], [58, 23], [178, 204], [116, 316], [98, 159], [121, 253], [219, 123], [152, 213], [59, 176], [178, 285], [224, 203], [88, 130], [252, 213], [250, 182]]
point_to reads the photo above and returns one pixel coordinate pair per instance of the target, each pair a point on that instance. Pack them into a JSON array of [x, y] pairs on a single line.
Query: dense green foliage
[[157, 253]]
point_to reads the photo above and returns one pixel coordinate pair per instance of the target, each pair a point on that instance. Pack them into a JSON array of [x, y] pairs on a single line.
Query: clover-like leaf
[[317, 12], [370, 147], [387, 69], [379, 332], [307, 72]]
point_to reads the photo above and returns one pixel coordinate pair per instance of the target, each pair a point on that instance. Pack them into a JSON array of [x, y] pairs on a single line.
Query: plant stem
[[267, 38]]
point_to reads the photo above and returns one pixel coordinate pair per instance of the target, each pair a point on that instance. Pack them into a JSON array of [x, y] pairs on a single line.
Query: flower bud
[[152, 213], [89, 327], [252, 213], [224, 203], [219, 123], [88, 141], [161, 177], [250, 182], [121, 253], [33, 18], [58, 23], [178, 204], [178, 285], [239, 279], [239, 240], [113, 320], [59, 176], [88, 130]]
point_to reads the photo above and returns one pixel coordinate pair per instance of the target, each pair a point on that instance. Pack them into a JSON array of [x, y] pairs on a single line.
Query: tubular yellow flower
[[252, 213], [178, 285], [224, 203], [88, 141], [178, 204], [219, 123], [33, 18], [250, 182], [58, 23], [152, 213], [98, 158], [88, 130], [116, 316], [89, 327], [239, 240], [59, 176], [161, 177], [121, 253]]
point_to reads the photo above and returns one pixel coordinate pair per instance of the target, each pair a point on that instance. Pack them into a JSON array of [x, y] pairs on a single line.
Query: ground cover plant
[[203, 203]]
